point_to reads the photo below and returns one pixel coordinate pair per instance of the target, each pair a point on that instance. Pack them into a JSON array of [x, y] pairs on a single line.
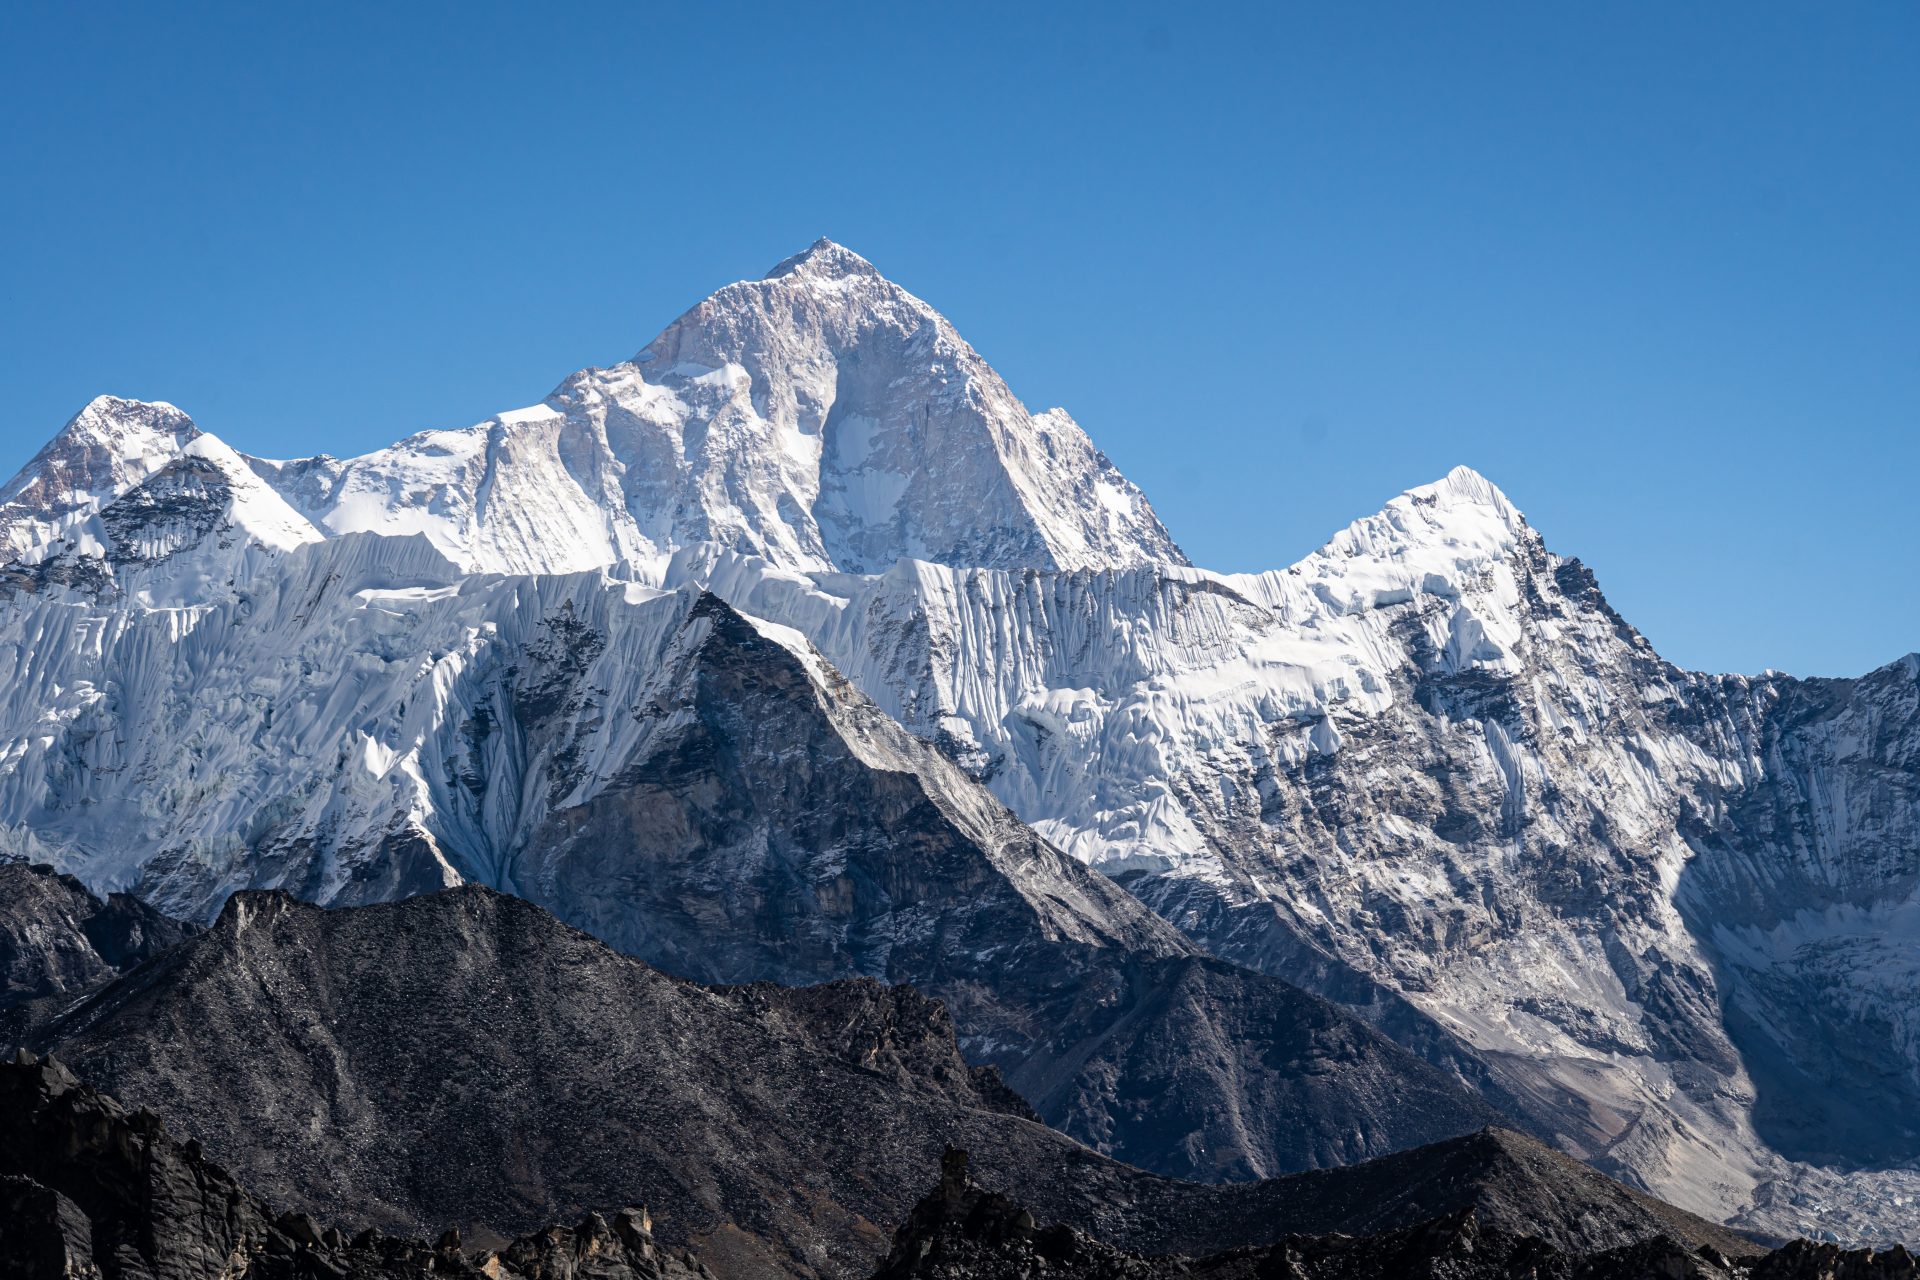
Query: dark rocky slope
[[465, 1058], [770, 823], [960, 1231], [91, 1191], [56, 938]]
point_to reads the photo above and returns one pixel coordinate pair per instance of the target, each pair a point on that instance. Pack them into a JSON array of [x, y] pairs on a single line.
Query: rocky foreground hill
[[464, 1059], [92, 1191], [961, 1231]]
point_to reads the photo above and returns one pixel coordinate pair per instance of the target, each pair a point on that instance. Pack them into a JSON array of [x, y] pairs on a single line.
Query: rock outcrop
[[58, 940], [92, 1191], [465, 1059]]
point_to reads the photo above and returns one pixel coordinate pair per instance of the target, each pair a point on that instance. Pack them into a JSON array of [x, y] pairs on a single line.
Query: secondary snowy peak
[[132, 498], [1425, 539], [821, 418], [104, 450]]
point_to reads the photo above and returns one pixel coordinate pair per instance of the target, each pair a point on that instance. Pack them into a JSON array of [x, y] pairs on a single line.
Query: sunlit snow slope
[[823, 417], [1426, 771]]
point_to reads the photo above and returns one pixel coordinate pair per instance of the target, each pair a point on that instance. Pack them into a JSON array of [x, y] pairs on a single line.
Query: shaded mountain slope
[[1429, 772], [463, 1057], [57, 939], [91, 1191], [770, 822]]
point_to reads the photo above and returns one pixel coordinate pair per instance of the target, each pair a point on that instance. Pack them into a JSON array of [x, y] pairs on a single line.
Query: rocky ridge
[[534, 1074], [91, 1191], [58, 941], [960, 1231]]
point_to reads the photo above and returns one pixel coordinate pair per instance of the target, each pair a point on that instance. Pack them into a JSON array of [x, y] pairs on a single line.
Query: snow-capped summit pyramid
[[822, 418], [825, 260], [1422, 541]]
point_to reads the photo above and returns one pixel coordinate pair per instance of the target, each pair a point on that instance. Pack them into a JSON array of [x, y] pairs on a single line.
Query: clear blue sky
[[1655, 269]]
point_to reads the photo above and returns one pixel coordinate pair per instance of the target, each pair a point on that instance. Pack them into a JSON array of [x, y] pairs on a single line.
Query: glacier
[[1427, 771]]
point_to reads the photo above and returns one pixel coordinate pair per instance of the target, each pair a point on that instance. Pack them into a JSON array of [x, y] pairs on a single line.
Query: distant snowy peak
[[1444, 539], [1460, 519], [104, 450], [821, 418], [133, 497]]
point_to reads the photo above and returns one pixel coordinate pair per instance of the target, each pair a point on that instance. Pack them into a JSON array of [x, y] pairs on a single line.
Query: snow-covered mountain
[[821, 418], [135, 500], [1427, 771]]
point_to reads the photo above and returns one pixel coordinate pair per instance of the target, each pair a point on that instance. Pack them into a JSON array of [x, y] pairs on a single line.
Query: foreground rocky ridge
[[960, 1231], [464, 1058], [91, 1191]]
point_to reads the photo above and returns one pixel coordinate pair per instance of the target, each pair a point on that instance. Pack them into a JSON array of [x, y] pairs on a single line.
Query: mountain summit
[[822, 418], [823, 259]]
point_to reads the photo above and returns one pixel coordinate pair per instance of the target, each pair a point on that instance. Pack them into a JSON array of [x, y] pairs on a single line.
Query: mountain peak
[[1463, 486], [105, 449], [1429, 539], [128, 426], [824, 260], [822, 418]]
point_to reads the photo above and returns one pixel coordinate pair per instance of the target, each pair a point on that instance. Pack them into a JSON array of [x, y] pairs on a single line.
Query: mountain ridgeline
[[464, 1059], [796, 649]]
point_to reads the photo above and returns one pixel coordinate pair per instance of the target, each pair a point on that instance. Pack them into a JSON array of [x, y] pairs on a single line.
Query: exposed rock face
[[877, 856], [57, 939], [464, 1057], [702, 791], [90, 1191], [1430, 773], [961, 1232]]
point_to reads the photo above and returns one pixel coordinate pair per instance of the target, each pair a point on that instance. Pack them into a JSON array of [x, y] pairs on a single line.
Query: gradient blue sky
[[1653, 268]]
